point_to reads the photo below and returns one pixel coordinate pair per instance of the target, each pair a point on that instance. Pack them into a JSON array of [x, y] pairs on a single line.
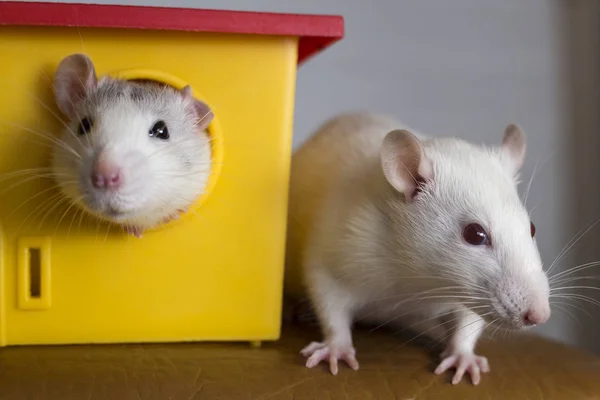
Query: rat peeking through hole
[[134, 153]]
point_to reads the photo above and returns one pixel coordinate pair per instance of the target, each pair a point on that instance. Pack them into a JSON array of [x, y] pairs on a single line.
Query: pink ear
[[404, 165], [75, 76], [514, 146], [203, 111]]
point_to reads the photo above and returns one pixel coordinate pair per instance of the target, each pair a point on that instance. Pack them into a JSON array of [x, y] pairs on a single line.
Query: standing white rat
[[133, 153], [387, 227]]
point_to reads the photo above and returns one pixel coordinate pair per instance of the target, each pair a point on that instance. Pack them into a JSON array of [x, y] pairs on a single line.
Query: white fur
[[160, 177], [366, 253]]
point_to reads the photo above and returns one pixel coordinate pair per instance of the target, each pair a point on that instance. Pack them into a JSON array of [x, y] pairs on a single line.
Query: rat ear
[[513, 148], [203, 111], [75, 76], [404, 165]]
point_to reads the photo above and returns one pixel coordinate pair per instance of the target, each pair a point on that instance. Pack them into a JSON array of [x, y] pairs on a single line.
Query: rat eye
[[532, 228], [85, 125], [475, 235], [159, 130]]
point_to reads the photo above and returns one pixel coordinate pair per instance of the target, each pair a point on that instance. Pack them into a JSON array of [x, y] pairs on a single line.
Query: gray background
[[468, 68]]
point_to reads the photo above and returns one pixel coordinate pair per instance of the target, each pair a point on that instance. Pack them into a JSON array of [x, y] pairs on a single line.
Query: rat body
[[388, 227], [133, 153]]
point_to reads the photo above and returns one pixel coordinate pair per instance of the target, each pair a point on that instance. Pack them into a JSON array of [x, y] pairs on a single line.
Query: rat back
[[333, 158]]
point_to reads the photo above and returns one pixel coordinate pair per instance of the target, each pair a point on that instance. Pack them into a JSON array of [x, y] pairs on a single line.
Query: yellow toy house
[[214, 274]]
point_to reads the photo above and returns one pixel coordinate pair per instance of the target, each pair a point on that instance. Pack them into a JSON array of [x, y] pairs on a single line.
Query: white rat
[[389, 227], [134, 153]]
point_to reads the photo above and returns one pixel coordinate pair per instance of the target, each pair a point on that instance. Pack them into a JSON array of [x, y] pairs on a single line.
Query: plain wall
[[469, 68]]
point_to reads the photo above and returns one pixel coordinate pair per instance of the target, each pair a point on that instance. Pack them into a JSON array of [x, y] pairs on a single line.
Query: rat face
[[133, 153], [474, 230]]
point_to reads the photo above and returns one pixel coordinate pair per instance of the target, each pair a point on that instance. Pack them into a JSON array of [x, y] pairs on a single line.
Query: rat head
[[132, 153], [468, 224]]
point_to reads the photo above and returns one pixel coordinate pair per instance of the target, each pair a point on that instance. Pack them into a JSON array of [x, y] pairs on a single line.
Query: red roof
[[316, 32]]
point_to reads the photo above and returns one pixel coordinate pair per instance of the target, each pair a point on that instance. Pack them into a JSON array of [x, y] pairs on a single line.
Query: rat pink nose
[[106, 176], [536, 316]]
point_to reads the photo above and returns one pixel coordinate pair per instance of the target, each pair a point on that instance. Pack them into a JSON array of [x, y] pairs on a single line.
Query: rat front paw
[[173, 217], [317, 352], [463, 362], [134, 231]]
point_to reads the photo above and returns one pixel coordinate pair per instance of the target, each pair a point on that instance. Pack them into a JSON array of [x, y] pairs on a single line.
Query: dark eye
[[159, 130], [475, 235], [532, 228], [85, 125]]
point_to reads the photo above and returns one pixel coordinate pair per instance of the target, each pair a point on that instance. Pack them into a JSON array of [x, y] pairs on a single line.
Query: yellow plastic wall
[[217, 273]]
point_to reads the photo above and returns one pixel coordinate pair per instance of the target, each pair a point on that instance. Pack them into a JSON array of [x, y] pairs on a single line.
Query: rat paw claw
[[470, 363], [475, 373], [483, 364], [333, 365], [308, 350], [317, 352]]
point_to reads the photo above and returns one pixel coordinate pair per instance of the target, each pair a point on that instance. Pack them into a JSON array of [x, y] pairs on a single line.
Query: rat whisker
[[485, 327], [531, 181], [496, 330], [82, 215], [24, 171], [81, 40], [77, 211], [33, 174], [566, 303], [475, 332], [449, 288], [533, 175], [203, 118], [48, 212], [452, 332], [51, 188], [575, 287], [576, 296], [71, 205], [450, 296], [397, 160], [491, 323], [58, 118], [569, 314], [41, 207], [50, 138], [573, 270], [433, 327], [48, 80], [399, 316], [108, 228], [578, 236], [35, 141], [23, 181], [568, 279], [449, 276]]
